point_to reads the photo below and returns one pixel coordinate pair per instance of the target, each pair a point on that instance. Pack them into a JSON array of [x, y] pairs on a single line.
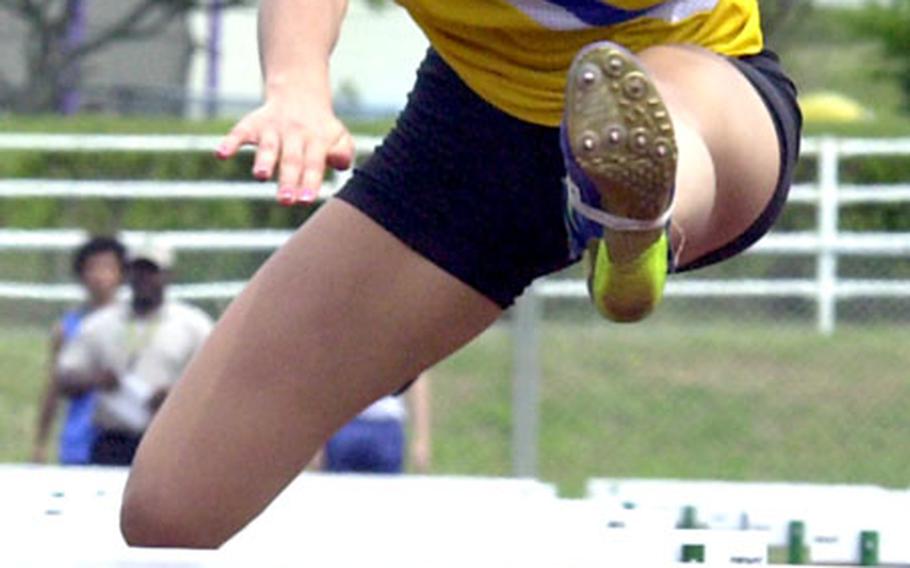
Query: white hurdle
[[347, 520], [849, 524]]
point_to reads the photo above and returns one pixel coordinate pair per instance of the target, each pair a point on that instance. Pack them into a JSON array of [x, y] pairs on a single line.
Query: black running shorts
[[479, 192]]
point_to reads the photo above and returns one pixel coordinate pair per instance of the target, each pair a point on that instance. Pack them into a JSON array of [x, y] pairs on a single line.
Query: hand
[[299, 134]]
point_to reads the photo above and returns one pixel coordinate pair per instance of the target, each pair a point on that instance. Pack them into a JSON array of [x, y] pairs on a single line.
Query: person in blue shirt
[[99, 266], [374, 441]]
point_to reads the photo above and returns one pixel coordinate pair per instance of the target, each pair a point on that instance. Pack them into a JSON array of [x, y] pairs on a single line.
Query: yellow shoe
[[620, 152]]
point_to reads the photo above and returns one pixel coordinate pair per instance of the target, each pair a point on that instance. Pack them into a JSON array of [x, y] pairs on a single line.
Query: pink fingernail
[[221, 152], [308, 196], [286, 195], [261, 174]]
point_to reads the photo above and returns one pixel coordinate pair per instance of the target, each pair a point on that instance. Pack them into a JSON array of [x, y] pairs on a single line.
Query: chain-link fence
[[783, 363]]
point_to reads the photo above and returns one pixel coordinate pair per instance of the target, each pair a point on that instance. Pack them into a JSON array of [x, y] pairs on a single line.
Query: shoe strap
[[615, 222]]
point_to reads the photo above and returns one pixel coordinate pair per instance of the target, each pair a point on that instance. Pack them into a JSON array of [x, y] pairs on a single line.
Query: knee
[[148, 521]]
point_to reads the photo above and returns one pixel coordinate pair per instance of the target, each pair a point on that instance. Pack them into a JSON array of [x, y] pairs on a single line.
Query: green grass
[[889, 126], [888, 122], [673, 399], [22, 378], [666, 398]]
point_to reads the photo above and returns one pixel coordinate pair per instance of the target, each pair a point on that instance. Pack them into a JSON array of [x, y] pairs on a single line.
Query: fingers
[[302, 170], [266, 155], [341, 155], [240, 135], [303, 163], [291, 168], [313, 170], [300, 154]]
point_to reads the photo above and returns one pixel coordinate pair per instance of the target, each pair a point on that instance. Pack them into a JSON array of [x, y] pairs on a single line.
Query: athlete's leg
[[639, 128], [341, 315], [729, 155]]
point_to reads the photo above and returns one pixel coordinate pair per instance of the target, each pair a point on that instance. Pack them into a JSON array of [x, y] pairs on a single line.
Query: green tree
[[49, 61], [889, 24], [780, 18]]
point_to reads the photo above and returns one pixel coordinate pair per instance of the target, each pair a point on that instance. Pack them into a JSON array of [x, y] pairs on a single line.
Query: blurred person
[[375, 440], [98, 266], [654, 136], [131, 353]]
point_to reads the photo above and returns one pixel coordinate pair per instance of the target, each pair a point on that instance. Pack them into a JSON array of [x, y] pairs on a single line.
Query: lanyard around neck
[[138, 338]]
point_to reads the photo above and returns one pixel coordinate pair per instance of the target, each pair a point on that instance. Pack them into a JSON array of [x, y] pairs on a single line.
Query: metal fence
[[826, 243], [822, 291]]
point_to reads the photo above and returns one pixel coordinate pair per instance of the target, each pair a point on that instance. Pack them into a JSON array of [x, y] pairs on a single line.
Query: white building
[[373, 64]]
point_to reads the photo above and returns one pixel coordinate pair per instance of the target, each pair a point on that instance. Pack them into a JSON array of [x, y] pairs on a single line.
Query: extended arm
[[421, 442], [295, 129], [48, 409], [74, 383]]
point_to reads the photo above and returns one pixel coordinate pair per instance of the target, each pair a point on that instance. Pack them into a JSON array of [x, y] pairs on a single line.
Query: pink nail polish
[[308, 196], [221, 152], [286, 195]]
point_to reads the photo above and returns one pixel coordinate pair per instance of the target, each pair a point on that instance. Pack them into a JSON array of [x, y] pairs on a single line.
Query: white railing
[[827, 243], [132, 142], [68, 239]]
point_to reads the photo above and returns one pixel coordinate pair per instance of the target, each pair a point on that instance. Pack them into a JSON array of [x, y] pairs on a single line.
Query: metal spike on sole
[[620, 132]]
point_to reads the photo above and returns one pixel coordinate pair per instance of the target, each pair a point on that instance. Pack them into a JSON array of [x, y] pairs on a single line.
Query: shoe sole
[[620, 132]]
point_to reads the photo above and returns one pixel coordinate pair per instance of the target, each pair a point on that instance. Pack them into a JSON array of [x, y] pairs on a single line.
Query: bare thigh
[[729, 156], [342, 314]]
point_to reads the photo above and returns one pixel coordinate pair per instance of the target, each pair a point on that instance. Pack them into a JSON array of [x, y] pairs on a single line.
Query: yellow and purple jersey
[[515, 53]]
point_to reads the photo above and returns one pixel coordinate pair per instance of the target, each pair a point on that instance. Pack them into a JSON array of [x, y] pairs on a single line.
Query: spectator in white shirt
[[132, 352]]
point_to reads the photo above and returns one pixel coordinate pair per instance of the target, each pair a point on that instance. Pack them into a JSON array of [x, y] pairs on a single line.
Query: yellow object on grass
[[828, 106]]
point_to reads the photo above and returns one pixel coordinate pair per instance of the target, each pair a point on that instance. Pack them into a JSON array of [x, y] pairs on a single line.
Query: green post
[[693, 553], [868, 548], [689, 518], [796, 543]]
